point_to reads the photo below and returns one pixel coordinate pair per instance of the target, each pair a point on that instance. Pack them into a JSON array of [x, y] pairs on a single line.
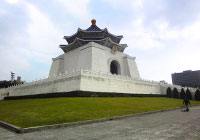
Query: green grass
[[36, 112]]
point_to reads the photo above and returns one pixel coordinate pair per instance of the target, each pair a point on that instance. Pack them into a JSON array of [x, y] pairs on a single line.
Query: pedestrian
[[186, 102]]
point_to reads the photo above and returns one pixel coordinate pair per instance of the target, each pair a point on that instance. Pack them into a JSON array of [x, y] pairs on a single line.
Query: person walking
[[186, 102]]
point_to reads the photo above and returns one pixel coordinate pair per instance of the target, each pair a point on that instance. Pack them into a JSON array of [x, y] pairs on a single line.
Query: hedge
[[81, 94]]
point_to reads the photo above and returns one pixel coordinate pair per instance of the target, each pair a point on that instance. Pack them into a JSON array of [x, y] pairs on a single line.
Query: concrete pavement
[[173, 125]]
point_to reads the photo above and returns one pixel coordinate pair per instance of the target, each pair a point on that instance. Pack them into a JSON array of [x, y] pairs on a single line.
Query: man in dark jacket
[[186, 102]]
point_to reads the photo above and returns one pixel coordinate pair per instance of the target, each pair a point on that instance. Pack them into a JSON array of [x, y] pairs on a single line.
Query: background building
[[12, 82], [187, 78]]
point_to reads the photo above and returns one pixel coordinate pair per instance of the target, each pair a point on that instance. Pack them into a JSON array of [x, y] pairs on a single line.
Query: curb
[[10, 127], [39, 128]]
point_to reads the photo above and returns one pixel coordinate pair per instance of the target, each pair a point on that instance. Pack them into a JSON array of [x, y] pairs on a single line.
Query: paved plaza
[[173, 125]]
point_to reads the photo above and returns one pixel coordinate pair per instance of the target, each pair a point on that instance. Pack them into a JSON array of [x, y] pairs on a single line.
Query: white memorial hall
[[92, 60]]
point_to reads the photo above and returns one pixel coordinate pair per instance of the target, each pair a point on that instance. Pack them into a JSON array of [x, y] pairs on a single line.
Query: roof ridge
[[93, 28]]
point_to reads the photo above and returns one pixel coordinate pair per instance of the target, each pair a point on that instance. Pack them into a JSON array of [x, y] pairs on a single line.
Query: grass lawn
[[36, 112]]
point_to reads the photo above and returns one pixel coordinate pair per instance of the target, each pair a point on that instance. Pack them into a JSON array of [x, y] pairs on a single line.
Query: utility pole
[[12, 76]]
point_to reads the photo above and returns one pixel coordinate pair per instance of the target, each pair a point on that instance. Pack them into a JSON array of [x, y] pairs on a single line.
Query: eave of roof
[[79, 42], [79, 31]]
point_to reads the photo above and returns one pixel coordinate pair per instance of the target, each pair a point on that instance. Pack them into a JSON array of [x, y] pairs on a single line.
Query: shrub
[[197, 95], [175, 93], [169, 92], [182, 94], [81, 94], [188, 94]]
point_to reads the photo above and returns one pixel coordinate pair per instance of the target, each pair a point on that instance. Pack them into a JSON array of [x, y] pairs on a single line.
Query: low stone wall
[[90, 81], [3, 93], [100, 82], [61, 83]]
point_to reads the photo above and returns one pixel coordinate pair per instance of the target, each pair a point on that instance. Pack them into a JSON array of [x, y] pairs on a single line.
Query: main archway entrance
[[115, 67]]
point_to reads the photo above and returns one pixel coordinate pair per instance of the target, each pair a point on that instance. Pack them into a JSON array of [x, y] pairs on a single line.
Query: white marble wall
[[86, 81], [94, 57], [131, 69], [99, 82], [3, 93], [62, 83], [90, 81], [57, 66]]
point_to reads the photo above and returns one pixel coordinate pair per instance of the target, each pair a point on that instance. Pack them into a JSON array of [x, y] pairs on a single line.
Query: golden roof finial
[[93, 21]]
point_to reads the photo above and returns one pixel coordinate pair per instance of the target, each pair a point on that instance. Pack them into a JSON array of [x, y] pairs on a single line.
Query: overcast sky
[[163, 35]]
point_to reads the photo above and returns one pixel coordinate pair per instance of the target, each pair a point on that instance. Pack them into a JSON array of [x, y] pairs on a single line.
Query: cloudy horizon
[[163, 35]]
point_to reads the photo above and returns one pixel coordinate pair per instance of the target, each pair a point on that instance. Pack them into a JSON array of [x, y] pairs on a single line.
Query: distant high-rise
[[187, 78]]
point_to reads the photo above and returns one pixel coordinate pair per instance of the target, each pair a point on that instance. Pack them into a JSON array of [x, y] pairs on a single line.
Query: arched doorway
[[115, 67]]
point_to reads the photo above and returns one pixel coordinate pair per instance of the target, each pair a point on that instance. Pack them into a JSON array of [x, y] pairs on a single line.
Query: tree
[[188, 94], [169, 92], [182, 94], [197, 95], [175, 93]]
